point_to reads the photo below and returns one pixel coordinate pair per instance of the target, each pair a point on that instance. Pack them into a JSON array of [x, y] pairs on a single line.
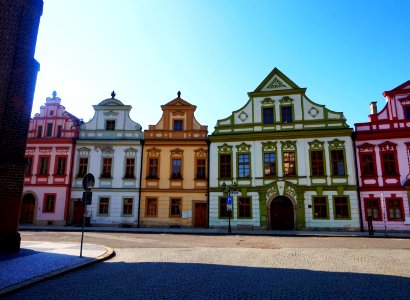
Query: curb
[[110, 253]]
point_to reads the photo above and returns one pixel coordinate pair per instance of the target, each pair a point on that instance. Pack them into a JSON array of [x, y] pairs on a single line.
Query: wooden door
[[28, 205], [200, 215], [78, 212], [281, 214]]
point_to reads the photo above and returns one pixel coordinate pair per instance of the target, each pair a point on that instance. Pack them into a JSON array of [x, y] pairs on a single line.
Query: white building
[[109, 147]]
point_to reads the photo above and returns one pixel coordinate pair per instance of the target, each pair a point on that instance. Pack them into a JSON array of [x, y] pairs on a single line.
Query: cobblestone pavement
[[231, 269]]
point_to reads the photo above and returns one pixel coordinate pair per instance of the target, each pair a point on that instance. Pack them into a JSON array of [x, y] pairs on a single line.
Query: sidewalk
[[38, 261], [219, 231]]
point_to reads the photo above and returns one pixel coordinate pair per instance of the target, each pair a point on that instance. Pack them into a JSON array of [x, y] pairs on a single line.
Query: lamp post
[[229, 201], [88, 184]]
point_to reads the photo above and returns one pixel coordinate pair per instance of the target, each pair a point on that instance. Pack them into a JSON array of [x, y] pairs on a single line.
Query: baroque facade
[[287, 161], [383, 156], [175, 169], [109, 147], [48, 168]]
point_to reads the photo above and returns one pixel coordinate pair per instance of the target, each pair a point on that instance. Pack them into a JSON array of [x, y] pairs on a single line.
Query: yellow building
[[174, 187]]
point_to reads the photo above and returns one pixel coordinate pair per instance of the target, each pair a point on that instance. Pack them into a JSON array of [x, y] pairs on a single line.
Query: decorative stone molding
[[267, 101], [200, 153], [177, 152], [336, 144], [178, 113], [243, 148], [83, 151], [387, 146], [243, 116], [366, 147], [269, 146], [153, 152], [316, 145], [289, 146], [313, 112], [130, 152], [273, 190], [45, 150], [275, 84], [110, 113], [290, 191], [225, 148], [286, 100]]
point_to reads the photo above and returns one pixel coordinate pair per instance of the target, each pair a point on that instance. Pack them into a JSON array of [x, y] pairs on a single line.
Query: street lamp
[[229, 201]]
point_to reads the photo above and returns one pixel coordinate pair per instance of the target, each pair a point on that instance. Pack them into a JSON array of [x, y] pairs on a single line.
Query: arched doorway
[[28, 205], [281, 213]]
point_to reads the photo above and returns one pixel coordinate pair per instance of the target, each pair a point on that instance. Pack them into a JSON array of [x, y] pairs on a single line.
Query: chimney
[[373, 107]]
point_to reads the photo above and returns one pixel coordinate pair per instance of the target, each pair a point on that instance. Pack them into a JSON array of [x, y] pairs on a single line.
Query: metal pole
[[82, 231], [229, 222]]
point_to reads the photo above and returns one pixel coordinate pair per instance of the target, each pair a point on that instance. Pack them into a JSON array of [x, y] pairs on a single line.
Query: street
[[171, 266]]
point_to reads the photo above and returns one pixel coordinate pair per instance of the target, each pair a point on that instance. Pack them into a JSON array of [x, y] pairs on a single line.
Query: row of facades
[[288, 162]]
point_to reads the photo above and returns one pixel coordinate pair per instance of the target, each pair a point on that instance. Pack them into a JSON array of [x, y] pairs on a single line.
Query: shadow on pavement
[[120, 280]]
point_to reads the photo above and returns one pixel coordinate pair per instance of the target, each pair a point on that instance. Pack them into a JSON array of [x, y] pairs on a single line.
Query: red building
[[49, 164], [383, 157]]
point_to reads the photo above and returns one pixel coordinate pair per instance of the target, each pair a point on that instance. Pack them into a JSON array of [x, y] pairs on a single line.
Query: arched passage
[[27, 210], [281, 213]]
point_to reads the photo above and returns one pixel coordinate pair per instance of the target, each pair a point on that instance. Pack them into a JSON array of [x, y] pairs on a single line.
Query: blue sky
[[346, 53]]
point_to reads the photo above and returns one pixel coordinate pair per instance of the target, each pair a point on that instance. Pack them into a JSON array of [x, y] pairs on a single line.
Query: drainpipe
[[140, 187], [208, 142], [357, 182]]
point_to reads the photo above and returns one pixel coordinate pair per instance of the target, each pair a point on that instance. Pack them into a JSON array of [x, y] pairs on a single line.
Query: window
[[287, 114], [269, 162], [127, 206], [338, 163], [129, 168], [49, 129], [61, 163], [244, 207], [178, 125], [51, 112], [151, 209], [106, 171], [268, 115], [175, 207], [103, 206], [39, 131], [200, 168], [83, 166], [43, 166], [223, 213], [373, 208], [28, 165], [389, 164], [243, 165], [153, 168], [225, 166], [341, 207], [320, 208], [395, 209], [289, 168], [316, 160], [49, 203], [176, 169], [368, 165], [59, 130], [110, 125], [407, 112]]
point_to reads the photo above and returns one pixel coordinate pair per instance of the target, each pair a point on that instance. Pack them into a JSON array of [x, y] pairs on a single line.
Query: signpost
[[88, 184]]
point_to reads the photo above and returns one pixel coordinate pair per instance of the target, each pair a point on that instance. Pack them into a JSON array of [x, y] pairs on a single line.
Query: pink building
[[49, 158], [383, 158]]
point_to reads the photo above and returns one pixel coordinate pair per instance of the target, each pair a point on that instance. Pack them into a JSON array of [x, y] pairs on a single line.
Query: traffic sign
[[234, 193], [229, 200]]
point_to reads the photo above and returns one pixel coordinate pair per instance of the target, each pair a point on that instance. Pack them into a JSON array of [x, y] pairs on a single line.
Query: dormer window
[[178, 125], [110, 125]]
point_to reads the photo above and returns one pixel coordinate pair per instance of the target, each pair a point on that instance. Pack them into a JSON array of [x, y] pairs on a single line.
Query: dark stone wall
[[19, 22]]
